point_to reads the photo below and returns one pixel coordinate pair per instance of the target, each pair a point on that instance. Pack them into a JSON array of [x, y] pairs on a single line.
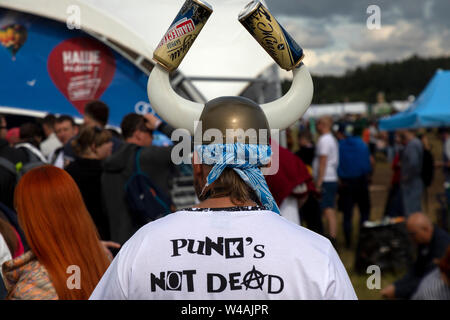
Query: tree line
[[398, 80]]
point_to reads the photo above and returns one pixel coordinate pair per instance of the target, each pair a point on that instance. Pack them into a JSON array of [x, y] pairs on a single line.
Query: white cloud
[[335, 41], [306, 32]]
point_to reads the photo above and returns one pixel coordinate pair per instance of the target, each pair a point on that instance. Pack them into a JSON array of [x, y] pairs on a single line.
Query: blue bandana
[[245, 160]]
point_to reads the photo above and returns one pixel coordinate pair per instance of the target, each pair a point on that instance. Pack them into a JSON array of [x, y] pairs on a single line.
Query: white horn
[[284, 111], [177, 111]]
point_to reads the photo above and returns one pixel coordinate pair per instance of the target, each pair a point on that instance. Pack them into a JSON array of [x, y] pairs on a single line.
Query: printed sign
[[82, 69]]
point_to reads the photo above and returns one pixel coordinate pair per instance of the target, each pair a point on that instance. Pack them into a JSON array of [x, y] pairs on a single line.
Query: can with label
[[181, 34], [262, 25]]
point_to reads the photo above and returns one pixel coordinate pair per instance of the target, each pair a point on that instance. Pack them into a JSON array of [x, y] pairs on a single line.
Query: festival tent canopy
[[431, 108], [223, 49], [47, 68]]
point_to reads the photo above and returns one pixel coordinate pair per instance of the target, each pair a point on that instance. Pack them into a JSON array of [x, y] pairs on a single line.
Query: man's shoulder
[[155, 149], [442, 235], [12, 154], [121, 159], [361, 144], [328, 138]]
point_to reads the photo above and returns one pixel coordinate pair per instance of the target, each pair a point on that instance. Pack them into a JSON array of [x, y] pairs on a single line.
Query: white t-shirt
[[49, 145], [327, 146], [240, 255], [59, 161]]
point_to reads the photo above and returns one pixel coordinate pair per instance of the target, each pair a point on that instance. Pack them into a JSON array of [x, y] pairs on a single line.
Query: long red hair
[[59, 229]]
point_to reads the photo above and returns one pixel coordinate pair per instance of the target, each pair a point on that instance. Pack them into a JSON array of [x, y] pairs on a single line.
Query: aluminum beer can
[[182, 33], [262, 25]]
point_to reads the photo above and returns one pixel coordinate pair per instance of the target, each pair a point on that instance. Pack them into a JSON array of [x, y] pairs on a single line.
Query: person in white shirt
[[233, 244], [65, 129], [51, 143], [325, 166]]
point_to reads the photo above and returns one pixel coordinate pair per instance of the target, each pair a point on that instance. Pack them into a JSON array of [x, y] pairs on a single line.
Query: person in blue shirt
[[353, 171]]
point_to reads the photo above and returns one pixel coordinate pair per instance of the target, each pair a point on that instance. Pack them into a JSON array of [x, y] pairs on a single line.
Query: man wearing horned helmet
[[233, 244]]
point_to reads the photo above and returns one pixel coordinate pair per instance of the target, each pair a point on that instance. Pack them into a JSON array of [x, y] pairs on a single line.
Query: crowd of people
[[347, 161], [73, 176], [79, 195]]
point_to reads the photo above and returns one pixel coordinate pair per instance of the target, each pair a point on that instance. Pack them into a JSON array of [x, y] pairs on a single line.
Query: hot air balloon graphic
[[12, 37]]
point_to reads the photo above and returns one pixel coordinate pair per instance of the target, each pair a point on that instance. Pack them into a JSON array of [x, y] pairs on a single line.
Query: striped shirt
[[432, 287]]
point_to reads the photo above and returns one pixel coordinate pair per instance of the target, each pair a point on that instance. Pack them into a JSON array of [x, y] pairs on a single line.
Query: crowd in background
[[342, 157], [84, 206], [63, 197]]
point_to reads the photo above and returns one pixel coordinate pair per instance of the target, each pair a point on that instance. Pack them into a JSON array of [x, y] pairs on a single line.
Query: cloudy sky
[[335, 36]]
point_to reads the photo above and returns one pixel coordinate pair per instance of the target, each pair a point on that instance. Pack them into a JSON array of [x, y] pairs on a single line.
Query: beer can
[[262, 25], [182, 33]]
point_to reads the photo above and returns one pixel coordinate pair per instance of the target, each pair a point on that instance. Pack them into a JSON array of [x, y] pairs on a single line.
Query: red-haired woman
[[66, 260]]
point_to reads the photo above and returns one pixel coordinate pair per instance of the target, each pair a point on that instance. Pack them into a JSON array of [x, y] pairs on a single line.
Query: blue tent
[[431, 108]]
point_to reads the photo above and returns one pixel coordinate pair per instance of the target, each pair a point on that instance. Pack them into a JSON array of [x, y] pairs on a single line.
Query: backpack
[[145, 202], [385, 245], [19, 169], [427, 172]]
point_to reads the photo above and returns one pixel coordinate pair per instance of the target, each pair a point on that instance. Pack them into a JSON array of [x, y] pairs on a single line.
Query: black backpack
[[385, 245], [427, 172], [145, 202]]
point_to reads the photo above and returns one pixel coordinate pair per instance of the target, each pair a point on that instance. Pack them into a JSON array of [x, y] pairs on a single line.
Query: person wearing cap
[[233, 244]]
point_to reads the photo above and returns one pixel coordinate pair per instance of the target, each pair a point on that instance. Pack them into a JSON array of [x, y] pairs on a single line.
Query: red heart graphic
[[82, 69]]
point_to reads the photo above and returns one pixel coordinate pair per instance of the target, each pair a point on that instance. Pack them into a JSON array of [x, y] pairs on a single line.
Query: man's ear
[[137, 135]]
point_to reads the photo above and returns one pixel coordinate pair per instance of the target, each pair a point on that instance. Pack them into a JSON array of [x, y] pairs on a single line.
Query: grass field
[[378, 193]]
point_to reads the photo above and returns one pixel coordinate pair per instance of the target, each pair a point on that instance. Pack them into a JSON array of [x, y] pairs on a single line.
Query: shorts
[[328, 200]]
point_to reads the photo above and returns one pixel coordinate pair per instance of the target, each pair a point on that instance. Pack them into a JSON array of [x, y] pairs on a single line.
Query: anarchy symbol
[[253, 275]]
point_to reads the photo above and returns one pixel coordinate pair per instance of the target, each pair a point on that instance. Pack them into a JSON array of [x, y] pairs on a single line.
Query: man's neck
[[223, 202], [134, 141]]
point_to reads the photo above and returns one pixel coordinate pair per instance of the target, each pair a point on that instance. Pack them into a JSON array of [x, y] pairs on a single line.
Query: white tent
[[224, 49], [336, 109]]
